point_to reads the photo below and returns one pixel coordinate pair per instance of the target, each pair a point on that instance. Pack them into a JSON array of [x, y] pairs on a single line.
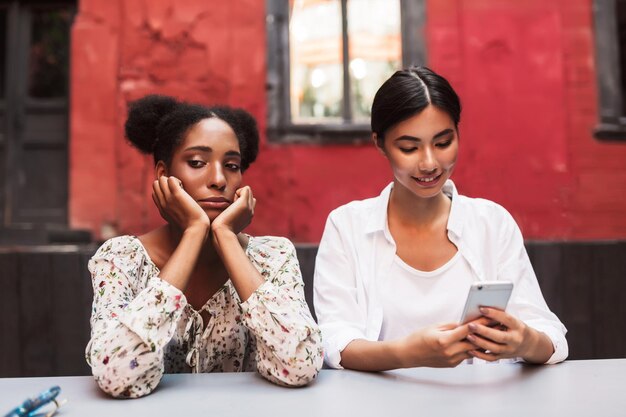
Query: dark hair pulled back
[[408, 92], [157, 124]]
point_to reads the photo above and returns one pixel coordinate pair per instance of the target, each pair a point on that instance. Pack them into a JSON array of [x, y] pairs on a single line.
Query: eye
[[196, 163], [233, 166], [444, 144], [407, 150]]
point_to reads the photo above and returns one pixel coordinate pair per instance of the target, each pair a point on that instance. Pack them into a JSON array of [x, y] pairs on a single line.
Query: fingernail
[[471, 338], [484, 310], [472, 327], [472, 352]]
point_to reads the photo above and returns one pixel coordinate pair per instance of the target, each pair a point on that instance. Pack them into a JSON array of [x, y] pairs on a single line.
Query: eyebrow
[[209, 149], [416, 139]]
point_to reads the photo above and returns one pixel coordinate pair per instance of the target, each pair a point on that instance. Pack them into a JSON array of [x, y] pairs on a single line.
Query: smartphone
[[493, 294]]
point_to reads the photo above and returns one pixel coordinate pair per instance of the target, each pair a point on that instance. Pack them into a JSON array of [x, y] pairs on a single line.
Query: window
[[327, 58], [610, 39], [48, 71]]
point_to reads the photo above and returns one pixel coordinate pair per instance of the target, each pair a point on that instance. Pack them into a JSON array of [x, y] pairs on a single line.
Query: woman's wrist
[[537, 347], [399, 352], [221, 231], [222, 236], [197, 229], [529, 341]]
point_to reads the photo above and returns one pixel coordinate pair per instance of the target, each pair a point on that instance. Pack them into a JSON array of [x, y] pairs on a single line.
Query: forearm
[[289, 352], [179, 266], [244, 276], [126, 347], [364, 355], [288, 340], [122, 365]]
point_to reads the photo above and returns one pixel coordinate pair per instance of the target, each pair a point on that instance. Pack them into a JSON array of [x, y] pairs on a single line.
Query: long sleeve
[[131, 322], [288, 341], [340, 315], [527, 302]]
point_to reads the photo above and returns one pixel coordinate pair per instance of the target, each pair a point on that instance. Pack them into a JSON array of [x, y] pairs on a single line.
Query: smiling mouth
[[427, 181]]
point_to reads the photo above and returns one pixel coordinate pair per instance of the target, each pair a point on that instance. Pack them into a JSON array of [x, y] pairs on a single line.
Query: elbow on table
[[296, 375], [118, 383]]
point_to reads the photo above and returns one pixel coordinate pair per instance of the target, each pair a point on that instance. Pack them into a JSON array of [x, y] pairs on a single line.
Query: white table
[[593, 388]]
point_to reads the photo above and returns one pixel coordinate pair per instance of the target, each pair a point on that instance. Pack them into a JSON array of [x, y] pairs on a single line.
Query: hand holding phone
[[494, 294]]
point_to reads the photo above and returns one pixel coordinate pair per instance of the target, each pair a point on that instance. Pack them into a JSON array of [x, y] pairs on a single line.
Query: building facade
[[526, 73]]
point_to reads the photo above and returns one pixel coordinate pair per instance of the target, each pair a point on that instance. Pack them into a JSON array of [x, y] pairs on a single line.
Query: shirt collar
[[455, 221], [378, 218]]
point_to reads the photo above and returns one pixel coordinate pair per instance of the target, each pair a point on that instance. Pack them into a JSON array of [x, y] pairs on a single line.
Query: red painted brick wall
[[524, 70]]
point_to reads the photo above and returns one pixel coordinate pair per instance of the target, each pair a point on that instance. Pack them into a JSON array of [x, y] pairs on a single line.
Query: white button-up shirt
[[355, 256]]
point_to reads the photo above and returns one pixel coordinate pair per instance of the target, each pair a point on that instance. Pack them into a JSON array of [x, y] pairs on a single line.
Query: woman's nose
[[427, 162], [217, 179]]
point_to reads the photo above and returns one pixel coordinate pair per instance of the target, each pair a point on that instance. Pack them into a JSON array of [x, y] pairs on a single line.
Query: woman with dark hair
[[197, 294], [393, 272]]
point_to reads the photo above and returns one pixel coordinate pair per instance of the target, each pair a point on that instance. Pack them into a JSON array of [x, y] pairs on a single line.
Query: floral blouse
[[142, 326]]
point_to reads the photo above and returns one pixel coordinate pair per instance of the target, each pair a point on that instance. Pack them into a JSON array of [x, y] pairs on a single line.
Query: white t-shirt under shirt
[[413, 299]]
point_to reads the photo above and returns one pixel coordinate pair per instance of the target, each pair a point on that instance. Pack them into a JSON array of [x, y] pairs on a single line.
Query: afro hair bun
[[144, 116], [247, 127]]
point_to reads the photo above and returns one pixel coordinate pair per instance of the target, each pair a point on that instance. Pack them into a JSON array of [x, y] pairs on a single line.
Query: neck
[[407, 209]]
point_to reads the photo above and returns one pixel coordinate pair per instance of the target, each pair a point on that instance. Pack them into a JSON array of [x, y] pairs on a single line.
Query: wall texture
[[524, 71]]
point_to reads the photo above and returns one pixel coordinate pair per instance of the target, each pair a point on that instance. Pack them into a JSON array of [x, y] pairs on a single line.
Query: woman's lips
[[214, 203], [427, 181]]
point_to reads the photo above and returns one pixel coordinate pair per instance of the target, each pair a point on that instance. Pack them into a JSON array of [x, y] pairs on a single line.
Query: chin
[[427, 193], [213, 213]]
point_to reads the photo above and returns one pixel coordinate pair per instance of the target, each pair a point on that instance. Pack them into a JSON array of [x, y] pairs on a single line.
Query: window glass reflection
[[316, 68], [375, 41]]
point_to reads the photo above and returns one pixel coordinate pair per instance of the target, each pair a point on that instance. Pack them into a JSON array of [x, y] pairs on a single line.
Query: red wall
[[524, 71]]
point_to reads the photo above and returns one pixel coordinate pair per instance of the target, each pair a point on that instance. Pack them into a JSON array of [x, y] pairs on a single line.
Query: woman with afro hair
[[198, 294]]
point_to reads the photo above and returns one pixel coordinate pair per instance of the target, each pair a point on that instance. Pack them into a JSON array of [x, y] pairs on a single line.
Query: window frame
[[611, 118], [280, 128]]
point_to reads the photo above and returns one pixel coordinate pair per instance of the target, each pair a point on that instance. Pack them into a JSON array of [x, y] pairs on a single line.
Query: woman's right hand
[[438, 346], [176, 205]]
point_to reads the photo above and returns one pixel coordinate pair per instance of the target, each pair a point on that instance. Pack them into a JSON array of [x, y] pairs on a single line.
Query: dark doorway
[[34, 75]]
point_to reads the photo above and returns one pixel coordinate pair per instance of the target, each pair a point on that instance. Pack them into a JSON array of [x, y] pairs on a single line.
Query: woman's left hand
[[239, 214], [509, 338]]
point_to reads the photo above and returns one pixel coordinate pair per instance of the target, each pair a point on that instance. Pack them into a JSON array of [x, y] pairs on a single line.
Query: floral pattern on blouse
[[143, 327]]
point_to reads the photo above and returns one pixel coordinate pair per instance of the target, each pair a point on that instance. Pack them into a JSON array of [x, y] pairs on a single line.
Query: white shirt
[[355, 256], [413, 299]]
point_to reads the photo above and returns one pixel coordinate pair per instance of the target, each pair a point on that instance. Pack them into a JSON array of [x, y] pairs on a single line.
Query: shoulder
[[270, 246], [272, 255], [124, 252], [481, 207], [356, 207], [354, 216], [486, 218], [119, 246]]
